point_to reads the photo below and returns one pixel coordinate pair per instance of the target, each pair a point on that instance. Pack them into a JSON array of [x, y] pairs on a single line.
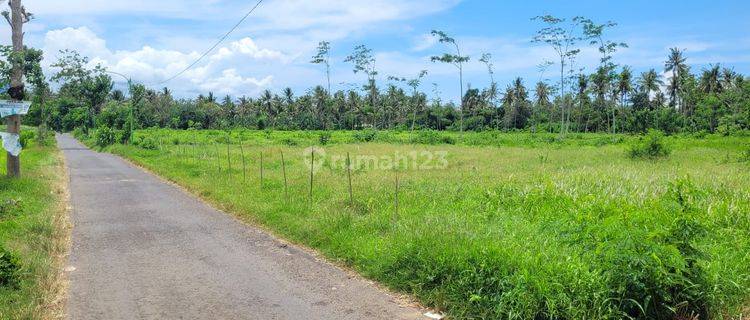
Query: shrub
[[148, 143], [79, 133], [104, 136], [366, 135], [745, 155], [324, 138], [25, 137], [10, 269], [42, 135], [289, 142], [700, 134], [432, 137], [121, 136], [652, 146]]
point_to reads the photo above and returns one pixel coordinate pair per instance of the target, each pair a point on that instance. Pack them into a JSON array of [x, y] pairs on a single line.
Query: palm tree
[[623, 87], [624, 84], [676, 64], [711, 79], [728, 78], [650, 82]]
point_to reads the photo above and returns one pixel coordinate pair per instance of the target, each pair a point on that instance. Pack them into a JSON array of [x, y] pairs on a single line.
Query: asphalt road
[[144, 249]]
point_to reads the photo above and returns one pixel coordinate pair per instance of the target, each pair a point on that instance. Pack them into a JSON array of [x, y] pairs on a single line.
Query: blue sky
[[152, 40]]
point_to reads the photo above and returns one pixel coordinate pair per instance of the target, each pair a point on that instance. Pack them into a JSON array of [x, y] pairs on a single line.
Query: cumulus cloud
[[230, 70]]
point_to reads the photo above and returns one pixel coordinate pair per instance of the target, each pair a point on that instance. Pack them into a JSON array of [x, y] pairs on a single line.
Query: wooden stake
[[283, 169], [349, 174], [312, 165], [261, 169], [244, 166], [229, 161], [397, 187], [217, 157]]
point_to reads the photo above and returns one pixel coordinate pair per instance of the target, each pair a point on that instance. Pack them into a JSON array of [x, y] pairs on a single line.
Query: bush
[[289, 142], [366, 135], [80, 134], [700, 134], [324, 138], [10, 269], [104, 136], [42, 135], [432, 137], [25, 137], [148, 143], [652, 146], [745, 155]]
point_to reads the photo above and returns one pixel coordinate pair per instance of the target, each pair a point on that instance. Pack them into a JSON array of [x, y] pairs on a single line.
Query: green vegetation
[[651, 146], [33, 233], [517, 226]]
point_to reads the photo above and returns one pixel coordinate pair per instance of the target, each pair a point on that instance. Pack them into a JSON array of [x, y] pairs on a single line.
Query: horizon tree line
[[609, 99]]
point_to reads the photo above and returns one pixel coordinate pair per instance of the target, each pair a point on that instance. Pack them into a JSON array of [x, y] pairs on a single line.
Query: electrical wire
[[224, 37]]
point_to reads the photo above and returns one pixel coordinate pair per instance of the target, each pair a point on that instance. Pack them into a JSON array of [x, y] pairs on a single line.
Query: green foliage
[[32, 235], [502, 232], [10, 268], [745, 155], [366, 135], [9, 208], [147, 143], [105, 136], [652, 146], [26, 137], [324, 138], [432, 137]]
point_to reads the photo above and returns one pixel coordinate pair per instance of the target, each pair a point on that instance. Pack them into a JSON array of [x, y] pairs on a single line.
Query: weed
[[652, 146]]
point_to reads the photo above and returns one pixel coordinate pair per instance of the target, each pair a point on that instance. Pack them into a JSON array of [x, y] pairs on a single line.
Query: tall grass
[[33, 233], [517, 226]]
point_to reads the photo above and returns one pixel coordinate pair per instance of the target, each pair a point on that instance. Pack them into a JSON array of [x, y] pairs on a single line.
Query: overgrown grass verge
[[33, 234], [558, 229]]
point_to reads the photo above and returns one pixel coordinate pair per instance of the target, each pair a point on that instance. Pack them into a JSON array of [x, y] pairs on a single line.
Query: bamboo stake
[[229, 161], [217, 157], [261, 169], [349, 174], [283, 168], [397, 187], [244, 166], [312, 165]]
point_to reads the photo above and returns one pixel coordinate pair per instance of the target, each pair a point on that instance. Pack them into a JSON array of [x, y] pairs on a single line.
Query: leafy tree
[[563, 37], [455, 59], [364, 62], [323, 57]]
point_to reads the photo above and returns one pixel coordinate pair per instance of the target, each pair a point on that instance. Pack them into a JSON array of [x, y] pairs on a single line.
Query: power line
[[215, 44]]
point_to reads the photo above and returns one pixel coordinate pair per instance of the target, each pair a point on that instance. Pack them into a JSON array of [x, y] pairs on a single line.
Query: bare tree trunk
[[16, 82]]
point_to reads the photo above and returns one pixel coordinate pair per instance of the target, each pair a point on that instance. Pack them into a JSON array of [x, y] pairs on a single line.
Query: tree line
[[611, 98]]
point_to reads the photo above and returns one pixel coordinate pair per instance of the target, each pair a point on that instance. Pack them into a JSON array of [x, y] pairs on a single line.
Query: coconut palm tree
[[710, 81], [676, 64], [650, 82]]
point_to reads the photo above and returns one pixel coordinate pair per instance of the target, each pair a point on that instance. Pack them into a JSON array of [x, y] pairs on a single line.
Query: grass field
[[492, 225], [33, 233]]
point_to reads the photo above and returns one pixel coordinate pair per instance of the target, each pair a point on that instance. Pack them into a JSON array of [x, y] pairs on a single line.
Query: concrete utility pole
[[17, 17]]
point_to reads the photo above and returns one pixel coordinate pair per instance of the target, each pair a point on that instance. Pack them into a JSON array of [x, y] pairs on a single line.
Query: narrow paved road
[[144, 249]]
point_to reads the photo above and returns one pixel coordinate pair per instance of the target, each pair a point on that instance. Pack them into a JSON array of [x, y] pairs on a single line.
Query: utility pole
[[16, 18]]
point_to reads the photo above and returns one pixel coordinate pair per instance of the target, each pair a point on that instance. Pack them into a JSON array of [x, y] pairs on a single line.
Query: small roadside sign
[[9, 108]]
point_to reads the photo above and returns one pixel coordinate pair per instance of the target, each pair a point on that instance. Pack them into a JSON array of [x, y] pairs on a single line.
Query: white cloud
[[231, 70]]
